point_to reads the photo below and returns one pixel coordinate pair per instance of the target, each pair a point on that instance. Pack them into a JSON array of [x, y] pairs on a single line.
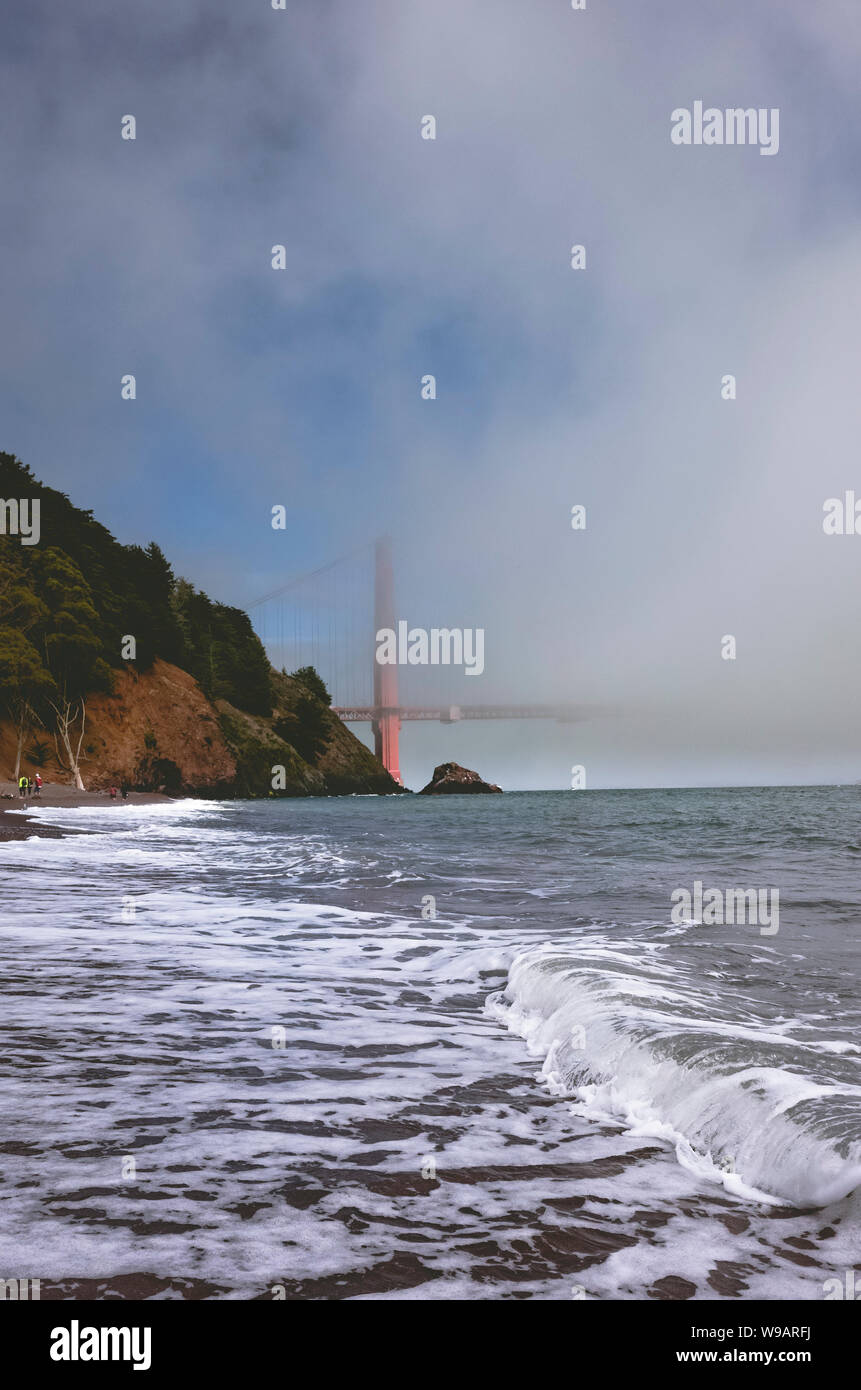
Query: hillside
[[112, 669]]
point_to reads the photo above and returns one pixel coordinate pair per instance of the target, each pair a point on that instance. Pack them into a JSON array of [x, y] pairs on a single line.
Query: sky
[[601, 387]]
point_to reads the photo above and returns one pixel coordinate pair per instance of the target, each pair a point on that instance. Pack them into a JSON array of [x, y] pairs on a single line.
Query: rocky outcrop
[[451, 778], [347, 767], [260, 757], [219, 722]]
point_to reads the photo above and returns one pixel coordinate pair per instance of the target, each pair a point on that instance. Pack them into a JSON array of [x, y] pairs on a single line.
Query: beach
[[17, 824], [433, 1048]]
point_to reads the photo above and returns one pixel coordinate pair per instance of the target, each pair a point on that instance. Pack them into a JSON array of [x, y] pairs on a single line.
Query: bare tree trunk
[[79, 781], [67, 715], [19, 750]]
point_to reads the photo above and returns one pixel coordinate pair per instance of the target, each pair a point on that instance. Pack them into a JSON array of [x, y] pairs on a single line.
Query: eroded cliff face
[[158, 731]]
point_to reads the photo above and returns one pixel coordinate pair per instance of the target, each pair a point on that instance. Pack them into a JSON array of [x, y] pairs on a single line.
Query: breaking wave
[[728, 1094]]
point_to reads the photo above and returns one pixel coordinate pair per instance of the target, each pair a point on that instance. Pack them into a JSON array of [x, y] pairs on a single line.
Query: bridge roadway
[[450, 714]]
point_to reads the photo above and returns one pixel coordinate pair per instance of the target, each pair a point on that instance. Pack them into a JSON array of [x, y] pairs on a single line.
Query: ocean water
[[244, 1059]]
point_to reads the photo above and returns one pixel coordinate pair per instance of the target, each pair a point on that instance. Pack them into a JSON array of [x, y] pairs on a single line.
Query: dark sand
[[21, 827]]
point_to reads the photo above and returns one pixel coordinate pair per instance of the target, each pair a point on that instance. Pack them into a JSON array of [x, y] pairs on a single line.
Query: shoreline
[[17, 824]]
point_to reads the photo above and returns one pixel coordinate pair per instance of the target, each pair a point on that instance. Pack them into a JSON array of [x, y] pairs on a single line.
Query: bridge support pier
[[386, 729], [386, 723]]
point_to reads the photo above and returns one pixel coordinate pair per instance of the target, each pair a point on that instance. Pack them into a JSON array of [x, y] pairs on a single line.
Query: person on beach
[[124, 790], [113, 793], [23, 787], [37, 784]]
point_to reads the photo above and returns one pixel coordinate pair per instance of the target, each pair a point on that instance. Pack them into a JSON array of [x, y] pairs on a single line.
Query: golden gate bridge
[[326, 619]]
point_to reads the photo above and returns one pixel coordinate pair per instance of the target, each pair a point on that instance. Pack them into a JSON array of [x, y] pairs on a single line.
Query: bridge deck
[[450, 714]]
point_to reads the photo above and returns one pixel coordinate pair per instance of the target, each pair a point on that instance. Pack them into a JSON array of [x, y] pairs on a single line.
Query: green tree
[[224, 653], [305, 727], [72, 654], [25, 685], [307, 676], [79, 592]]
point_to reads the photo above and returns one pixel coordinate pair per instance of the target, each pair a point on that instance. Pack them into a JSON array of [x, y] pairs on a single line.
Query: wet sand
[[19, 826]]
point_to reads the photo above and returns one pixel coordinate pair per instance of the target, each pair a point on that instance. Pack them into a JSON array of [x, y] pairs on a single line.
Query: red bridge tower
[[386, 718]]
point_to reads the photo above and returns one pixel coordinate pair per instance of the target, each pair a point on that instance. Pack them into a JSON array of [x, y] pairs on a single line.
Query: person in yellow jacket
[[23, 787]]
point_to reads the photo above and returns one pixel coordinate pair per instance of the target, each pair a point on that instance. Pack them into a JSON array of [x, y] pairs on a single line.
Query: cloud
[[452, 257]]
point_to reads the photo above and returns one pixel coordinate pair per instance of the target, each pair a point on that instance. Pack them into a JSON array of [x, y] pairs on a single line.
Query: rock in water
[[451, 777]]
